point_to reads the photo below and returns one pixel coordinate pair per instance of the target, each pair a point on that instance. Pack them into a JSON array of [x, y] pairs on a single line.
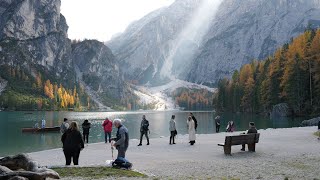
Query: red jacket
[[107, 125]]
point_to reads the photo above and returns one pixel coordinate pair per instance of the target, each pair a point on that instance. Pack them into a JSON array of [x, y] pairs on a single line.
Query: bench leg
[[227, 150], [252, 147]]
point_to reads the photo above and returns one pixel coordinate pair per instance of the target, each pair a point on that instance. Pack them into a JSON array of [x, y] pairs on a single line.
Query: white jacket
[[172, 125], [191, 130]]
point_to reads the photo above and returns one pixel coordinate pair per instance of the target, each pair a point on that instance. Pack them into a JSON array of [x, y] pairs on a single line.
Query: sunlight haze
[[101, 19]]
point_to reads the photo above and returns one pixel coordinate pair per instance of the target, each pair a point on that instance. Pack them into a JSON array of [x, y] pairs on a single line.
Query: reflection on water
[[13, 141]]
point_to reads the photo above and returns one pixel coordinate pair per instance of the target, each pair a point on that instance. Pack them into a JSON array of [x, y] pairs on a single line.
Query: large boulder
[[311, 122], [281, 110]]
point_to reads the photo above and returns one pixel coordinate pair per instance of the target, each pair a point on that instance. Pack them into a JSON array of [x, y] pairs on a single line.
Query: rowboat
[[39, 130]]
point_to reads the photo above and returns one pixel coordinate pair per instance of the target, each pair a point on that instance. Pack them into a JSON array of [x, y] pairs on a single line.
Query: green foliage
[[96, 172], [291, 75]]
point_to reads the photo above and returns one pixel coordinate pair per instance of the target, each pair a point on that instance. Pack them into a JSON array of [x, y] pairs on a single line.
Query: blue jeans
[[106, 134]]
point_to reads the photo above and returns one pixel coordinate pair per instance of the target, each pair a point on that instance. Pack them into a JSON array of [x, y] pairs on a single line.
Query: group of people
[[73, 141]]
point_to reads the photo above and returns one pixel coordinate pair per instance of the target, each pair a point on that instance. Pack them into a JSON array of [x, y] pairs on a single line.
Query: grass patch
[[317, 133], [96, 172]]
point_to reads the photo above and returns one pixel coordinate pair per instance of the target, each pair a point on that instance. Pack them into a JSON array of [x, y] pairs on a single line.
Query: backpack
[[121, 163]]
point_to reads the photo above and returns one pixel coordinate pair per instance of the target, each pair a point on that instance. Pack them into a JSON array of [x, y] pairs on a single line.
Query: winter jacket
[[72, 140], [86, 127], [172, 125], [144, 127], [122, 140], [191, 130], [107, 125], [252, 130]]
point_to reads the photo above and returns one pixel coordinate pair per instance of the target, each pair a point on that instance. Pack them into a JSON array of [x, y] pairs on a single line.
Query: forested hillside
[[291, 75]]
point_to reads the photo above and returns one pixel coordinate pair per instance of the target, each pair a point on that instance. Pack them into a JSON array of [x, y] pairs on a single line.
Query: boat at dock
[[42, 130]]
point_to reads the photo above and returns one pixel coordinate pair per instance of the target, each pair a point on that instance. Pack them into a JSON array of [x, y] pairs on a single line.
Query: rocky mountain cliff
[[33, 37], [239, 32], [143, 47]]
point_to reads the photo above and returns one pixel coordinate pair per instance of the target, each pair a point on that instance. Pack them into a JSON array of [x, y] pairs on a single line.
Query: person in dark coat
[[217, 122], [122, 139], [85, 130], [72, 144], [252, 129], [319, 129], [144, 128]]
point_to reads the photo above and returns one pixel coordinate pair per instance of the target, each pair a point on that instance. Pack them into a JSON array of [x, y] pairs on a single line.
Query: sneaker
[[139, 144], [148, 143], [173, 143]]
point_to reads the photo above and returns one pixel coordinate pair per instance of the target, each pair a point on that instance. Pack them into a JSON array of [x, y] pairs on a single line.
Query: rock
[[26, 168], [281, 110], [311, 122]]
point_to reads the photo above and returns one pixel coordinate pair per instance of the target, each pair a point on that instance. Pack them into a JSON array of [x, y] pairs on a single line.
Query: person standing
[[172, 129], [319, 129], [231, 127], [217, 122], [252, 129], [72, 144], [194, 120], [191, 130], [43, 123], [107, 127], [144, 128], [85, 130], [64, 126], [122, 139]]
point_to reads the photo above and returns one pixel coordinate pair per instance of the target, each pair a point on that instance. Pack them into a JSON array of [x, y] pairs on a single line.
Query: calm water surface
[[13, 141]]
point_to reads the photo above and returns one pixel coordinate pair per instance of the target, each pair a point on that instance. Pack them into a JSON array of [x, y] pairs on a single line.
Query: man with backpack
[[144, 128], [64, 126]]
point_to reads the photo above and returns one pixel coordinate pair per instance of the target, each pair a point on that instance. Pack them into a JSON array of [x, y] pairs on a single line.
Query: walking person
[[85, 130], [107, 127], [217, 122], [319, 129], [194, 120], [64, 126], [72, 144], [122, 139], [144, 128], [191, 130], [172, 129]]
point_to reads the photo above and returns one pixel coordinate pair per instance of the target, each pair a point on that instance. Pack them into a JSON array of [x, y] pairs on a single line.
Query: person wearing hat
[[217, 122], [64, 126], [252, 129]]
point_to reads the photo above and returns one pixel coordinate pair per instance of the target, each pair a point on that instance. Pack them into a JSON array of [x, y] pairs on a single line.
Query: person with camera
[[144, 129]]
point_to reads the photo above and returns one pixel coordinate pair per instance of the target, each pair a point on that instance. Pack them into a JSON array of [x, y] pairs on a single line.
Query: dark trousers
[[122, 152], [74, 155], [106, 134], [86, 138], [144, 133], [217, 128], [172, 134]]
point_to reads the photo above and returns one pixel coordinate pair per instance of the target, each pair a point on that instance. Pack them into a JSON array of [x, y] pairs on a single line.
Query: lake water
[[13, 141]]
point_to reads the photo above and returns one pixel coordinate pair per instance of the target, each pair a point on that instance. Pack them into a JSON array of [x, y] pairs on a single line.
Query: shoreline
[[280, 153]]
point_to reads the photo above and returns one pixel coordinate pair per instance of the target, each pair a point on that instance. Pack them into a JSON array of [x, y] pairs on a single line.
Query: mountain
[[143, 47], [40, 66], [97, 70], [166, 42]]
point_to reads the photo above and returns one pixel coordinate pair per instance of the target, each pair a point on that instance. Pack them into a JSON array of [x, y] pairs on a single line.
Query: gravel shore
[[292, 153]]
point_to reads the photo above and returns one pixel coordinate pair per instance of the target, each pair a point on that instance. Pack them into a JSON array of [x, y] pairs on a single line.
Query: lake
[[13, 141]]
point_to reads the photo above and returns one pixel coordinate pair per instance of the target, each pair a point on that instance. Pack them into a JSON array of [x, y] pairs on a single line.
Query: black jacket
[[252, 130], [86, 127], [72, 140]]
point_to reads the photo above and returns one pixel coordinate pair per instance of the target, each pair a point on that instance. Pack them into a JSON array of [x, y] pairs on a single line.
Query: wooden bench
[[250, 139]]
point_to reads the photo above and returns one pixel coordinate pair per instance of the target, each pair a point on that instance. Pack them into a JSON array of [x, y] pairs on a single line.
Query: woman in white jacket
[[192, 131], [172, 129]]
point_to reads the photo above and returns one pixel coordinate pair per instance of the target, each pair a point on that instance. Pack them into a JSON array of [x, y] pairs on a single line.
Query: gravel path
[[293, 153]]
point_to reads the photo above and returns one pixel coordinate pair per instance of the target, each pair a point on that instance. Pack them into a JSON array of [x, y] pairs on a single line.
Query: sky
[[101, 19]]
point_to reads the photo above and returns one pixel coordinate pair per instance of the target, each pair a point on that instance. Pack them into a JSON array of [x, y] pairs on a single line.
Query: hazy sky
[[100, 19]]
